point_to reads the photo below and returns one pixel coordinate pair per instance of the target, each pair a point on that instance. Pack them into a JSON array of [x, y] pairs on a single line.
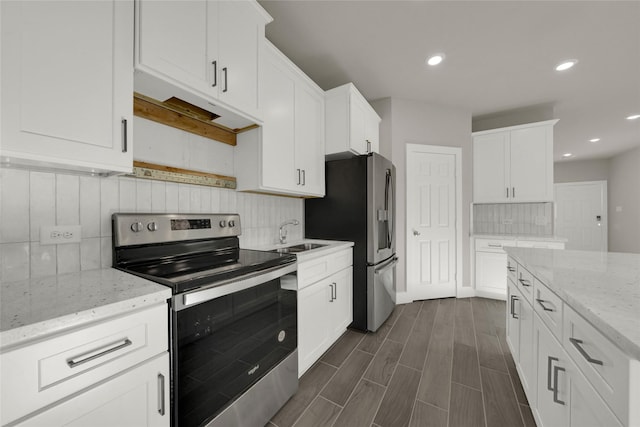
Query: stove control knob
[[137, 227], [232, 223], [152, 226], [223, 223]]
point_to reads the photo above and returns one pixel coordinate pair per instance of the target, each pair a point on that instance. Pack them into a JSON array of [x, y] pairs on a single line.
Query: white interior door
[[581, 214], [431, 222]]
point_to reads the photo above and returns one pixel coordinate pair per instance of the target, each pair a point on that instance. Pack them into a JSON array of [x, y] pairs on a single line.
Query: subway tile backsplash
[[525, 219], [30, 199]]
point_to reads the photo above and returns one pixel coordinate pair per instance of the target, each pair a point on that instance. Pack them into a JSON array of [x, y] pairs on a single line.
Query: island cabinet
[[325, 304], [286, 154], [572, 374], [352, 124], [67, 83], [205, 52], [514, 164], [113, 372]]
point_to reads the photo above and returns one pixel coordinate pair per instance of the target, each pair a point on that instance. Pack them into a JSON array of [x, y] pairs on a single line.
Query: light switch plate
[[59, 234]]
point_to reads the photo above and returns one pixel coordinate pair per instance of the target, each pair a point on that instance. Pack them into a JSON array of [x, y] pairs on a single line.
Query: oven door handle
[[182, 301]]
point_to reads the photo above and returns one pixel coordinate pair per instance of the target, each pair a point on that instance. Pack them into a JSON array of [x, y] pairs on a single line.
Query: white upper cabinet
[[352, 125], [514, 164], [286, 154], [67, 83], [204, 52]]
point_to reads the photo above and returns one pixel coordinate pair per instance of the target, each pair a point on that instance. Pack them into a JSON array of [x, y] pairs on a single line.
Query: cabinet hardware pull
[[513, 192], [224, 70], [577, 344], [92, 355], [304, 177], [215, 73], [513, 312], [524, 282], [331, 290], [368, 146], [298, 172], [541, 302], [161, 394], [550, 360], [491, 245], [507, 192], [124, 136], [556, 369], [335, 291], [511, 269]]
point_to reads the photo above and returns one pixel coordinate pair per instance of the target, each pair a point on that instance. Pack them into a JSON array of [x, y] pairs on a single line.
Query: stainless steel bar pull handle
[[578, 345], [544, 307], [215, 73], [513, 312], [513, 192], [511, 269], [124, 136], [304, 177], [507, 192], [550, 360], [298, 172], [161, 394], [557, 369], [368, 146], [99, 352], [226, 86], [524, 282], [493, 245]]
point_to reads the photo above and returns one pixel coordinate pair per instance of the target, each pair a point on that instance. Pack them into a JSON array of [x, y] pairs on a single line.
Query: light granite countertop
[[603, 287], [328, 247], [33, 308], [519, 237]]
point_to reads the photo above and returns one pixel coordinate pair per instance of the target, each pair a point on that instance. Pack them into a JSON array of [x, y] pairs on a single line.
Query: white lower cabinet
[[138, 397], [564, 397], [519, 335], [514, 301], [325, 307]]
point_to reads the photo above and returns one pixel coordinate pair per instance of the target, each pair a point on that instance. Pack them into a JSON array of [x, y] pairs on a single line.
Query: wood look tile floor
[[433, 363]]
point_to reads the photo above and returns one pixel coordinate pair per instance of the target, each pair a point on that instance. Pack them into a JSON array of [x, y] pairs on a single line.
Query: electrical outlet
[[59, 234]]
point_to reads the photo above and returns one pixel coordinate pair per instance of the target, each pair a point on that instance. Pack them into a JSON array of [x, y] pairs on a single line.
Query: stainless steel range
[[233, 328]]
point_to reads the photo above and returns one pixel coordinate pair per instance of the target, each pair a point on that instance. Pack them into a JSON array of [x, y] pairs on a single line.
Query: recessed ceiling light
[[567, 155], [634, 117], [565, 65], [594, 140], [435, 59]]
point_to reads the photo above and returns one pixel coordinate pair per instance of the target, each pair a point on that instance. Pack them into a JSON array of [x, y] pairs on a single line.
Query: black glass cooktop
[[191, 266]]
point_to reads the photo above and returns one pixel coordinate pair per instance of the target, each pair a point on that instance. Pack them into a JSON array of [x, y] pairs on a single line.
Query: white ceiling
[[500, 56]]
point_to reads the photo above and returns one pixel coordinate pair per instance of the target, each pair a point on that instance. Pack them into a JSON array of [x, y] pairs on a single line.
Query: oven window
[[226, 345]]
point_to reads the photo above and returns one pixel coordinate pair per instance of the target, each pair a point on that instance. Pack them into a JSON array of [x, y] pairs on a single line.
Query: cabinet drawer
[[549, 307], [524, 281], [51, 369], [605, 366], [319, 268], [540, 244], [492, 245]]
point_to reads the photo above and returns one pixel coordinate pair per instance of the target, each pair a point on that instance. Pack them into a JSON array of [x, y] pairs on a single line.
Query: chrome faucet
[[283, 231]]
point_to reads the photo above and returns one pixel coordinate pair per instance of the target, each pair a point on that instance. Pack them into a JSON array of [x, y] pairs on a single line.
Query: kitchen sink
[[298, 248]]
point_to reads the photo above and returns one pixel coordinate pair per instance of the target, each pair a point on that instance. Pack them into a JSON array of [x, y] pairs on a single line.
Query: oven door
[[225, 344]]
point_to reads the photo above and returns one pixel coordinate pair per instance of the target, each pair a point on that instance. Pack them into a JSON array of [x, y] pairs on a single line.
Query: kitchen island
[[573, 328]]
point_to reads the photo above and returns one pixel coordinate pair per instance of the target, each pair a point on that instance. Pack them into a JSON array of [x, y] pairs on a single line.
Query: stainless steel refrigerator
[[360, 206]]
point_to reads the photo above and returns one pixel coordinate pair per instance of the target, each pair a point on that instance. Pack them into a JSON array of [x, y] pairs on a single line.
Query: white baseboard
[[466, 292], [490, 294], [463, 292]]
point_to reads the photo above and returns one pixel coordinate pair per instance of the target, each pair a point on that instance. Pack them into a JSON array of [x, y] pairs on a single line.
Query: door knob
[[416, 233]]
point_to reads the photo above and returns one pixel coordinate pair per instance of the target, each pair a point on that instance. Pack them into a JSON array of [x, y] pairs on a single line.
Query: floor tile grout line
[[431, 404], [475, 336], [452, 342]]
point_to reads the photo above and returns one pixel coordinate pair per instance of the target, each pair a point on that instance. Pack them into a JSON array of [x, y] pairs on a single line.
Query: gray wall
[[519, 116], [624, 193], [584, 170], [383, 108], [416, 122]]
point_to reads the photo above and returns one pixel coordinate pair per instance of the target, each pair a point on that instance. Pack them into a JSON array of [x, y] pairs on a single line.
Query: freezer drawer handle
[[92, 355], [577, 344], [393, 262]]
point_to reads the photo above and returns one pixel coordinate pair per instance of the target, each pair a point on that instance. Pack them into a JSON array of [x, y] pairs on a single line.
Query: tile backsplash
[[528, 219], [30, 199]]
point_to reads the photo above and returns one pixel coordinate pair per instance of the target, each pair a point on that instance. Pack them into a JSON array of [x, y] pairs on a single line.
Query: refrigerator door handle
[[386, 266], [389, 206]]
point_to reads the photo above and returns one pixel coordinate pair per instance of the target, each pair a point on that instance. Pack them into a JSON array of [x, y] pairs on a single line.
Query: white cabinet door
[[372, 133], [491, 168], [526, 354], [341, 306], [491, 274], [67, 84], [139, 397], [357, 135], [239, 27], [309, 140], [514, 303], [278, 132], [172, 40], [531, 158], [314, 329]]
